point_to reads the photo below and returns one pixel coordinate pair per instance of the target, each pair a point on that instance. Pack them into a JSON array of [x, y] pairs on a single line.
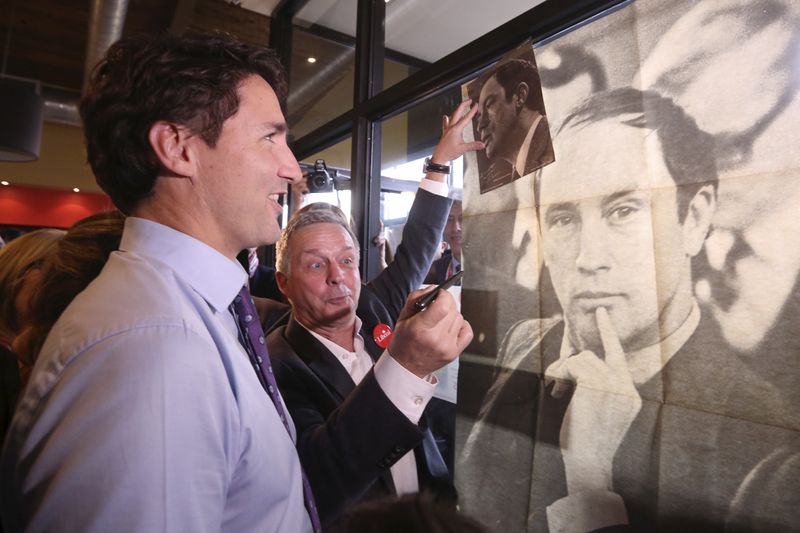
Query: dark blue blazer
[[348, 436]]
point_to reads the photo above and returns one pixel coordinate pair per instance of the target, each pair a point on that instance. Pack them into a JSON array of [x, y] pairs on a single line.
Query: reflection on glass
[[395, 207], [410, 137], [415, 36], [322, 89]]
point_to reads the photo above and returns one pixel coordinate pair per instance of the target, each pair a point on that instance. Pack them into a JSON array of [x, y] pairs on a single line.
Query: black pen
[[429, 298]]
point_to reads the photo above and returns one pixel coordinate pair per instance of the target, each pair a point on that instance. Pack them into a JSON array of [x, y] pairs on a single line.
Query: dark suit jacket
[[540, 151], [348, 436], [705, 423], [440, 268], [10, 388]]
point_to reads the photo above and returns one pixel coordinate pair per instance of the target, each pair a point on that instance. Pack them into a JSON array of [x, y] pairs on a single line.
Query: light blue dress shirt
[[143, 412]]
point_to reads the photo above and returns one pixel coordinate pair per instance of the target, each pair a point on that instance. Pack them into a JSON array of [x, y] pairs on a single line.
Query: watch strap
[[435, 167]]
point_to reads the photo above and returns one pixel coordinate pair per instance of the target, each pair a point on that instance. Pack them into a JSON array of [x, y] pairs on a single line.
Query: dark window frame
[[372, 105]]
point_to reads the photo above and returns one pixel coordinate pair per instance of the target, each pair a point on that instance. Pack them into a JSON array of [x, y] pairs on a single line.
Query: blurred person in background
[[78, 257], [20, 272], [450, 261]]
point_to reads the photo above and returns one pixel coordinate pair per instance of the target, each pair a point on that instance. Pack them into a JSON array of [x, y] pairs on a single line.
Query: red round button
[[382, 334]]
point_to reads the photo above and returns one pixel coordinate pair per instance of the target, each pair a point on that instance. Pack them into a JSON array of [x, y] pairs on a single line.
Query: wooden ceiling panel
[[48, 40], [48, 37], [149, 16]]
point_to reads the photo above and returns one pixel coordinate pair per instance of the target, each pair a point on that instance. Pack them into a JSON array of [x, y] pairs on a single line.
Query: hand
[[427, 340], [379, 240], [601, 411], [451, 145], [380, 243]]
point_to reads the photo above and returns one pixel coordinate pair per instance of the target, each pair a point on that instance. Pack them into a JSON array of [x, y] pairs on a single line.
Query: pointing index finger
[[615, 355]]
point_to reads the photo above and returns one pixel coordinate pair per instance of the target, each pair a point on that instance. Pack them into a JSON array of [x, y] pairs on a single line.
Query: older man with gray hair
[[358, 406]]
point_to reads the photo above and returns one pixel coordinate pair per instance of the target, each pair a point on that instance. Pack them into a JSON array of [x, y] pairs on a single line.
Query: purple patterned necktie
[[244, 311]]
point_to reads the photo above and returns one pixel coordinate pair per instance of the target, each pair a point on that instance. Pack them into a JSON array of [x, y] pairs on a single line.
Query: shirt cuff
[[586, 511], [408, 392], [439, 188]]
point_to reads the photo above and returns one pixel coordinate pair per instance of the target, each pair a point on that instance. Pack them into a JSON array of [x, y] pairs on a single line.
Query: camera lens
[[319, 180]]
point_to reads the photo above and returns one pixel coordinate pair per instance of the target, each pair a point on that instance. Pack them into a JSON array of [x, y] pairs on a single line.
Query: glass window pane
[[322, 67], [397, 67], [419, 32], [416, 31], [407, 139], [410, 137]]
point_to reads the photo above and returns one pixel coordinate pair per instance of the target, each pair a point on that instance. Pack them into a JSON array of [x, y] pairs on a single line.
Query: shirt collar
[[522, 155], [335, 348], [215, 277], [648, 361]]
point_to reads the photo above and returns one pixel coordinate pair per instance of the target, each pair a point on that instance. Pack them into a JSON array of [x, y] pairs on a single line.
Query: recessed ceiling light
[[4, 182], [75, 189], [387, 1], [312, 59]]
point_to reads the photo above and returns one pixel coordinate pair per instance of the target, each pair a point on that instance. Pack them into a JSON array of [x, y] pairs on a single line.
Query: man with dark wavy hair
[[143, 412], [151, 406], [512, 123]]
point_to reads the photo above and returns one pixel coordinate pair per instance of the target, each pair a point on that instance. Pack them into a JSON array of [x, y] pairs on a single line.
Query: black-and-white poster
[[639, 361], [511, 120]]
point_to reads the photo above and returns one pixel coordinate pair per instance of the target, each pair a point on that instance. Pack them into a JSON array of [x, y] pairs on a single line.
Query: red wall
[[21, 205]]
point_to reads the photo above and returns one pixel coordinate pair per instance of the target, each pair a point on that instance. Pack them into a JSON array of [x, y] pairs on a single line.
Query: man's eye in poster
[[636, 299]]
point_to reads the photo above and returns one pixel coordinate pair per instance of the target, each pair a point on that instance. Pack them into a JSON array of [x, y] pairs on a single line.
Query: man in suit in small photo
[[359, 407], [512, 124]]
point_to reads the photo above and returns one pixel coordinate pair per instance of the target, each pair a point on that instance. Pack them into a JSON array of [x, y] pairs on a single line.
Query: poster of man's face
[[606, 229], [511, 120], [655, 382]]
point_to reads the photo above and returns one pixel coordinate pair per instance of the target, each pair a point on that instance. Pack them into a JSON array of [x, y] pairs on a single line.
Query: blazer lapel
[[319, 359], [328, 369]]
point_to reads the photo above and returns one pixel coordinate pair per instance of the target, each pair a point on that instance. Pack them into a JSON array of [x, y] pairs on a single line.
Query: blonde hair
[[17, 258]]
